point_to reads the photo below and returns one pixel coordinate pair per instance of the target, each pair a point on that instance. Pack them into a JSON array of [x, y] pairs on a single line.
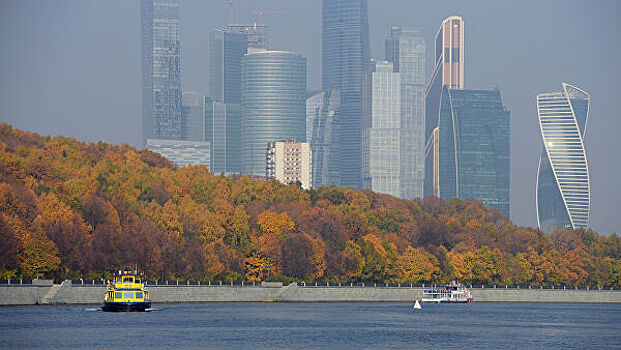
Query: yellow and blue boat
[[126, 293]]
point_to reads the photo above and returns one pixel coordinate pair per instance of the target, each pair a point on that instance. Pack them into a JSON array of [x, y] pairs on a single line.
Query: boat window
[[137, 280], [118, 280], [128, 295], [128, 280], [138, 295], [118, 295]]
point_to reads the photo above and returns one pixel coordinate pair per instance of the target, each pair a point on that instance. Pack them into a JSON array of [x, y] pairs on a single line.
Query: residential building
[[381, 130], [322, 112], [472, 142], [289, 162], [161, 70], [182, 153], [406, 50], [345, 56], [273, 104], [563, 183]]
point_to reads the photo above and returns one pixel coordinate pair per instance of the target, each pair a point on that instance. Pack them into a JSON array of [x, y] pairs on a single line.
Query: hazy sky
[[72, 67]]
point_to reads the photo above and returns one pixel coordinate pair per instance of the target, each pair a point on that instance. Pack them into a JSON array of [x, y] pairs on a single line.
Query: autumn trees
[[71, 209]]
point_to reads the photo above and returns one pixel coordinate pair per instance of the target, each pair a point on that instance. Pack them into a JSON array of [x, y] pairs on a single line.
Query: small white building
[[289, 161]]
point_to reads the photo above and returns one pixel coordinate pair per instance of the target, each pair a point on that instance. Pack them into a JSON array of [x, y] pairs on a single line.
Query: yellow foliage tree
[[416, 266]]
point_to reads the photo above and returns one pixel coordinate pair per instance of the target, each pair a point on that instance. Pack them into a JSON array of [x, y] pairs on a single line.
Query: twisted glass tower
[[563, 185]]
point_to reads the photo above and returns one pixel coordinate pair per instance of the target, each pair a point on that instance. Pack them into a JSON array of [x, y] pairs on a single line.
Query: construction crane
[[262, 12], [231, 9]]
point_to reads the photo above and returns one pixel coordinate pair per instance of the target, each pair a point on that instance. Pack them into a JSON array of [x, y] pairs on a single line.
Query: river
[[315, 326]]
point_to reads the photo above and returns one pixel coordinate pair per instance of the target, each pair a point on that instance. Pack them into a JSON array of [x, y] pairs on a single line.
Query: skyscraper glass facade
[[161, 70], [322, 111], [406, 50], [473, 147], [448, 71], [273, 104], [182, 153], [563, 183], [345, 57], [226, 51], [222, 131], [381, 130], [193, 116]]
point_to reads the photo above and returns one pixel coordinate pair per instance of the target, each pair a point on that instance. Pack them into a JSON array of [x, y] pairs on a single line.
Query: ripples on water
[[315, 325]]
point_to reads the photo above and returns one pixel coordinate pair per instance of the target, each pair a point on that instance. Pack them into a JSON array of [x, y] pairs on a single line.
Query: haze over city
[[73, 68]]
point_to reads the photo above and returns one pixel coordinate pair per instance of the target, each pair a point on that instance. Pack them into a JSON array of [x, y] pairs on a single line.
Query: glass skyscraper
[[473, 141], [226, 51], [381, 165], [161, 70], [322, 111], [222, 131], [563, 184], [345, 56], [223, 110], [406, 50], [448, 71], [193, 116], [273, 104]]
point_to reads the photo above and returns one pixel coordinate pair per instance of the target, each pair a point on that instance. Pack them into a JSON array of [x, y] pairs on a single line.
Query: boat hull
[[125, 306], [448, 301]]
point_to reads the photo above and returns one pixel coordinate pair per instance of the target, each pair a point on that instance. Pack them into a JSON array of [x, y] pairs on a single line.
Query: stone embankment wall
[[66, 293]]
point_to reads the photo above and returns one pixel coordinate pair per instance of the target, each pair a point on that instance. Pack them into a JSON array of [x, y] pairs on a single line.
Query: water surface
[[315, 325]]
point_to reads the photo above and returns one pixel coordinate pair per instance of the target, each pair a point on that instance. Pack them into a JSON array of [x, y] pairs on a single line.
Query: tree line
[[70, 209]]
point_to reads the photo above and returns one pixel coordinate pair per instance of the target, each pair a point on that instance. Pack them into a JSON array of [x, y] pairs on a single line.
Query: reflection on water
[[315, 325]]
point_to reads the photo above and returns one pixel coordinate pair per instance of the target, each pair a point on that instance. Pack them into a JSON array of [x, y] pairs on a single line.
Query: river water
[[315, 325]]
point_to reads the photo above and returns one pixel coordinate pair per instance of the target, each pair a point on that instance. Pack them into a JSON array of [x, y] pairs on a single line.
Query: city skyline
[[527, 86]]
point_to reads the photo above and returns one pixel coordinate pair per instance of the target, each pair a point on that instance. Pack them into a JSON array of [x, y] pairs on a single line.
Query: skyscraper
[[223, 132], [193, 116], [406, 50], [223, 110], [256, 35], [473, 155], [273, 104], [345, 56], [563, 185], [381, 130], [161, 70], [226, 50], [448, 71], [322, 112]]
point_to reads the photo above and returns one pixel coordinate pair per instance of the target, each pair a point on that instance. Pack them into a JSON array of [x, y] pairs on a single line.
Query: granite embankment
[[44, 292]]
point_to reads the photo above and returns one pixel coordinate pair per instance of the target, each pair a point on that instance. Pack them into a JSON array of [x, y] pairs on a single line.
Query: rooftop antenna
[[261, 12], [231, 10]]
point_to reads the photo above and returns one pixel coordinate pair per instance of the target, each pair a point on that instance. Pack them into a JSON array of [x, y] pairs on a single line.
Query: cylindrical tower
[[273, 104]]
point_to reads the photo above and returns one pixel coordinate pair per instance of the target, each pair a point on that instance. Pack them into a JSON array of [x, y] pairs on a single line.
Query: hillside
[[69, 209]]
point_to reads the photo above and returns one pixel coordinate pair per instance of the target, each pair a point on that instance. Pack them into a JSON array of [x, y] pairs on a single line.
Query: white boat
[[417, 305], [450, 293]]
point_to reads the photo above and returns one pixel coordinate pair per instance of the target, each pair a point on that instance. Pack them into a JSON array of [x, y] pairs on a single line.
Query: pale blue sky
[[72, 67]]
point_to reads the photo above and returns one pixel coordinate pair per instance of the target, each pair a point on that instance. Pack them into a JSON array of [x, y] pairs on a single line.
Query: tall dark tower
[[345, 43], [161, 70]]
